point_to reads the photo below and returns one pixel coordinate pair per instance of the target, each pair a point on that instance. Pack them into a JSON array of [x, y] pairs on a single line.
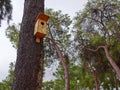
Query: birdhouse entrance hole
[[42, 23]]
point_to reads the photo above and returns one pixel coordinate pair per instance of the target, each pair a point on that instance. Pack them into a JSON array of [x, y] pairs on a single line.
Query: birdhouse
[[40, 26]]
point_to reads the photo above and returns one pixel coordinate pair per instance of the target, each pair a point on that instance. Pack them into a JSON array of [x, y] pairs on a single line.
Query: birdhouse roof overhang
[[42, 16]]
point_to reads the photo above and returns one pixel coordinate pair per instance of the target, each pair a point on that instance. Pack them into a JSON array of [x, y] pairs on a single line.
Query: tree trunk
[[112, 62], [29, 64], [65, 66], [116, 83], [96, 80]]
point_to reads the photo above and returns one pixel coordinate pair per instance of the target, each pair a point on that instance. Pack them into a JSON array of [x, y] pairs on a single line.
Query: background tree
[[59, 25], [97, 25], [5, 10], [29, 64]]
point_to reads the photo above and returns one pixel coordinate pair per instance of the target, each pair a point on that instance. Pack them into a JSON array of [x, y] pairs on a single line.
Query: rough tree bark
[[29, 64], [111, 61]]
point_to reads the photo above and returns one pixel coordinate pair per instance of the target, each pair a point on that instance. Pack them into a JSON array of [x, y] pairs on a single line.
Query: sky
[[7, 52]]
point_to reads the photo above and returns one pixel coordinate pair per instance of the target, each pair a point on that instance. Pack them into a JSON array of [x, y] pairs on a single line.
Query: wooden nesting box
[[40, 26]]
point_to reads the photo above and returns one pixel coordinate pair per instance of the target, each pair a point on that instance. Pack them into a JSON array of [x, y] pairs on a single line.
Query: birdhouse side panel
[[36, 27]]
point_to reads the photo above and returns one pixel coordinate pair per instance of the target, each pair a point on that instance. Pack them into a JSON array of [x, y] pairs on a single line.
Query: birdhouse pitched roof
[[42, 16]]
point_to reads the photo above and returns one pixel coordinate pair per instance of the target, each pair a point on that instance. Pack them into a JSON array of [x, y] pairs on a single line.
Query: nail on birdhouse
[[40, 26]]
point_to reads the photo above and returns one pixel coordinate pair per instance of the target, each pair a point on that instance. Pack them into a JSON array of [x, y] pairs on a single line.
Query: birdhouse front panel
[[40, 28]]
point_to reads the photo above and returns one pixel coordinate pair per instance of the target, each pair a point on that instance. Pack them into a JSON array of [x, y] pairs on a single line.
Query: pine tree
[[30, 55]]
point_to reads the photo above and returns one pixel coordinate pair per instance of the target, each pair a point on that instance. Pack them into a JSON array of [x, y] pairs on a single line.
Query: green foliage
[[5, 10], [78, 79], [58, 24], [12, 32], [47, 85], [97, 39], [6, 84]]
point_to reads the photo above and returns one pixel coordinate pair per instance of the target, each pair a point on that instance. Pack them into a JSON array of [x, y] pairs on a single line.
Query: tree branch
[[95, 49], [62, 59], [111, 61]]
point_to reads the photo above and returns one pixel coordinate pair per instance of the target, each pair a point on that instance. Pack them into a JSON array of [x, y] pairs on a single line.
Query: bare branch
[[95, 49], [111, 61]]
